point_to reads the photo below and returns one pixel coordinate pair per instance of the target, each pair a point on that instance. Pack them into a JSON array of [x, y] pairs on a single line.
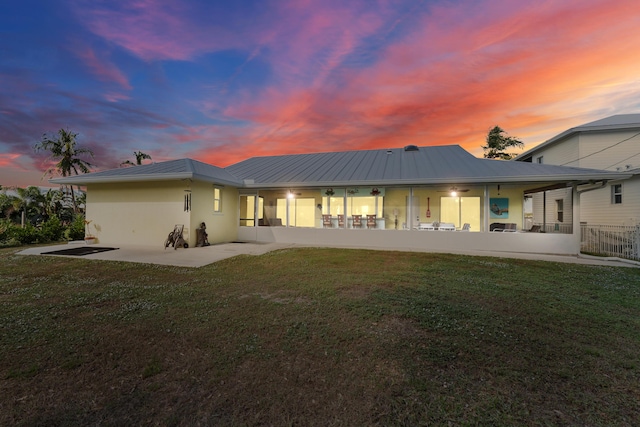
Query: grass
[[318, 337]]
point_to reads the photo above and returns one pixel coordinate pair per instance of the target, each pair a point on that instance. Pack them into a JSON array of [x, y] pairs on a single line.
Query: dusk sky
[[221, 81]]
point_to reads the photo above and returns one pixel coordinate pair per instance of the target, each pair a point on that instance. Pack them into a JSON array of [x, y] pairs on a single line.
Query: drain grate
[[80, 251]]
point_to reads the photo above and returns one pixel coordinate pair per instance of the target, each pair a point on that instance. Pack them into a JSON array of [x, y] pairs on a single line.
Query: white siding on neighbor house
[[597, 209], [558, 154], [624, 150], [550, 215]]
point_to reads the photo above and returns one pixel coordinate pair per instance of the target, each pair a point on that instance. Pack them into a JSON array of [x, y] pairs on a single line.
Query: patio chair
[[341, 221], [446, 226], [466, 227], [357, 221], [326, 221], [534, 229], [510, 228], [371, 221]]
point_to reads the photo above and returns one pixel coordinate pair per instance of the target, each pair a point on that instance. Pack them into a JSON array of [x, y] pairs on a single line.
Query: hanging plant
[[329, 192], [375, 191], [352, 191]]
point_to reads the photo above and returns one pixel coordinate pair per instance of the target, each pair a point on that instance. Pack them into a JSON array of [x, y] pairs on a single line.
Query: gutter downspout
[[592, 187]]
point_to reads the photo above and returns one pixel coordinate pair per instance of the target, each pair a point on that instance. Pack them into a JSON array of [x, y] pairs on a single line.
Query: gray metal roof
[[427, 165], [398, 166], [617, 122], [164, 171]]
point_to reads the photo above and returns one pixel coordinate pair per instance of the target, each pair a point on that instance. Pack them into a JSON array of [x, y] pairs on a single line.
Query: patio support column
[[410, 209], [544, 211], [577, 230], [485, 216]]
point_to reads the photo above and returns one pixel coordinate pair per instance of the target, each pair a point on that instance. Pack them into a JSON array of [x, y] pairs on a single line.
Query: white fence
[[556, 227], [611, 240]]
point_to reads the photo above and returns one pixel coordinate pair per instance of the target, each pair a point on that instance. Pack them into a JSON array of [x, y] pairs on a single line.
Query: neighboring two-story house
[[609, 211], [611, 144]]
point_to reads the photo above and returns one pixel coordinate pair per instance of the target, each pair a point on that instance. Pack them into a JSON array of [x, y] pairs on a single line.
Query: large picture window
[[460, 211], [300, 213]]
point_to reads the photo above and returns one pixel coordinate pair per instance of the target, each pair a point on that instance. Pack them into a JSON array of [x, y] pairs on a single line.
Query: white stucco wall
[[136, 213], [221, 226], [145, 213], [436, 241]]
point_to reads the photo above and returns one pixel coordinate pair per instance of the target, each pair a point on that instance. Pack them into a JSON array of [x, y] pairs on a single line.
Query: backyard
[[318, 337]]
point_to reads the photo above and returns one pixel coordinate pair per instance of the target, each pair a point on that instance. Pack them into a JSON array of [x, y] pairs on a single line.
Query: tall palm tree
[[65, 152], [140, 156]]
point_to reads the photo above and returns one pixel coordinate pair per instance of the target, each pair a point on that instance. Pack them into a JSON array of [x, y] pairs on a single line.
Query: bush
[[51, 230], [76, 228], [5, 231], [27, 235]]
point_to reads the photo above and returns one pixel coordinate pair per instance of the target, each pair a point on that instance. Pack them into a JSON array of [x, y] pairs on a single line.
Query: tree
[[140, 156], [498, 142], [31, 201], [65, 152]]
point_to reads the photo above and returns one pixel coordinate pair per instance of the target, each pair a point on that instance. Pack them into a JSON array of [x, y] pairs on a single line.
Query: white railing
[[611, 240], [556, 227]]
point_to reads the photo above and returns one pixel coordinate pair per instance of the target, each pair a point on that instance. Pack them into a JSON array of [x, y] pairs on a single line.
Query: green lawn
[[319, 337]]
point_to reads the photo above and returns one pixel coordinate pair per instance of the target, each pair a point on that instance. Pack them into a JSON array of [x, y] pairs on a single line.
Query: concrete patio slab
[[199, 257]]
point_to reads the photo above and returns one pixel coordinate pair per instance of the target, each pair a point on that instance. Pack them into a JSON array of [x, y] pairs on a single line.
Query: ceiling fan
[[454, 190]]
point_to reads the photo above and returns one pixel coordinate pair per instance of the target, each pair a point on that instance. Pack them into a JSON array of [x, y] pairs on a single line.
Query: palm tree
[[497, 143], [65, 152], [140, 156], [30, 201]]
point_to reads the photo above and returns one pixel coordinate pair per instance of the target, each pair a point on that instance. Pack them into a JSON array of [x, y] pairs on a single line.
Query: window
[[616, 194], [248, 210], [217, 199], [559, 210], [460, 210], [540, 159], [300, 212]]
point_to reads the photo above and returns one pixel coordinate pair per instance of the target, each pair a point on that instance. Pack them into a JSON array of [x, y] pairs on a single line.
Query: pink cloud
[[7, 159], [451, 80], [103, 69], [155, 29]]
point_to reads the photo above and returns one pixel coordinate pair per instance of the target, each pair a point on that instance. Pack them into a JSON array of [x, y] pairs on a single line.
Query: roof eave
[[446, 181], [79, 180]]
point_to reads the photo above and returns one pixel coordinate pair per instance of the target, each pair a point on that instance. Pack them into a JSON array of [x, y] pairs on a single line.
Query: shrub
[[51, 230], [28, 234], [76, 228], [5, 231]]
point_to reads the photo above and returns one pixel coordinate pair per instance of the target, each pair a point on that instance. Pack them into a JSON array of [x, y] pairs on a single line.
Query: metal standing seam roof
[[397, 166], [170, 170], [428, 165], [617, 122]]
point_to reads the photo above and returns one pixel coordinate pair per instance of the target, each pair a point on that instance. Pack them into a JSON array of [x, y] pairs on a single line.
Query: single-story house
[[412, 197]]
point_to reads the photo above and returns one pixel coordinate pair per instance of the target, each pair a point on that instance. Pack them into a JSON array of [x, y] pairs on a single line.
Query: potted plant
[[89, 239]]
